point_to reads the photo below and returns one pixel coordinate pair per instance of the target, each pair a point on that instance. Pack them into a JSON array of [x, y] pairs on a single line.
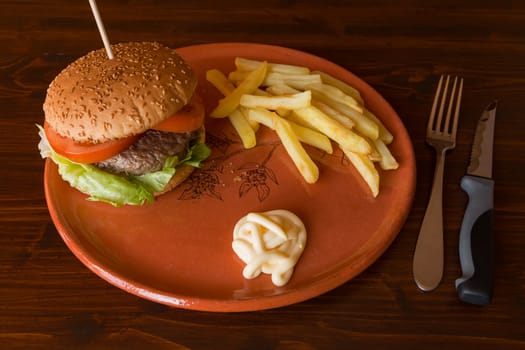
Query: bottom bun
[[182, 172], [179, 177]]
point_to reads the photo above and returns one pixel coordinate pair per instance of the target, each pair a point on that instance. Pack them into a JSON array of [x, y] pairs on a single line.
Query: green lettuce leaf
[[119, 190]]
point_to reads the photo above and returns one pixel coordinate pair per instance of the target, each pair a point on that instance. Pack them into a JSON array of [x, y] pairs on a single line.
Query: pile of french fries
[[303, 106]]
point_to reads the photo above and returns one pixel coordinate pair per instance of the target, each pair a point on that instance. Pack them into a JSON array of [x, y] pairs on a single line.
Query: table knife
[[476, 235]]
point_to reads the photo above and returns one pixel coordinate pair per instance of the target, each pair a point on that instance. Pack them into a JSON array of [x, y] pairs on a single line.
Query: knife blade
[[476, 234]]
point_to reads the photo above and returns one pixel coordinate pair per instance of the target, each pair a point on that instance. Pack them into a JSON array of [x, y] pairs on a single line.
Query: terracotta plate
[[177, 251]]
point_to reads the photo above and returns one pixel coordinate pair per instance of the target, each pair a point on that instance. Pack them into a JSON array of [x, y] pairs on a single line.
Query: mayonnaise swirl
[[269, 242]]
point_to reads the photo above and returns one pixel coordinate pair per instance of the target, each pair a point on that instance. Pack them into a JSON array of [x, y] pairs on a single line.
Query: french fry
[[312, 137], [239, 75], [329, 111], [253, 123], [374, 155], [387, 161], [260, 115], [219, 80], [230, 102], [239, 122], [283, 112], [244, 64], [313, 118], [364, 125], [297, 81], [282, 89], [261, 92], [243, 128], [341, 85], [295, 101], [336, 94], [305, 135], [384, 133], [301, 159], [365, 167]]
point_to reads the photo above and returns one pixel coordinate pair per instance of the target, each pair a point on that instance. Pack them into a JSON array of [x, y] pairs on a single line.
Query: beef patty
[[149, 153]]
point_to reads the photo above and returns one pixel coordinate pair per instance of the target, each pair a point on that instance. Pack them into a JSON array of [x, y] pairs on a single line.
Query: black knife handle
[[476, 242]]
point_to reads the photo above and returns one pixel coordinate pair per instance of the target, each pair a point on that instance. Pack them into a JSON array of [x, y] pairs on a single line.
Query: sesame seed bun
[[96, 99]]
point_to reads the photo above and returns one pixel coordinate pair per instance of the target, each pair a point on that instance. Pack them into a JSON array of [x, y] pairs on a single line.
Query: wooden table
[[48, 299]]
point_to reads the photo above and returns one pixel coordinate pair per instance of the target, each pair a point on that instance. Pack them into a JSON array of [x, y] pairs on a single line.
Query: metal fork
[[441, 134]]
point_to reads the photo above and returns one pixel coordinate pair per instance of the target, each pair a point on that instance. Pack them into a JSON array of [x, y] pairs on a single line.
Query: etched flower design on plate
[[253, 177]]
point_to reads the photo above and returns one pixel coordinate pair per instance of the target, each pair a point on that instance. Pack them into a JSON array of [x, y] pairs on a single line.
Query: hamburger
[[125, 130]]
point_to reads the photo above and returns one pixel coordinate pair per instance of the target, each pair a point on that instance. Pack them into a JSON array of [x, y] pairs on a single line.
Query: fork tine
[[442, 106], [446, 129], [430, 124], [456, 113]]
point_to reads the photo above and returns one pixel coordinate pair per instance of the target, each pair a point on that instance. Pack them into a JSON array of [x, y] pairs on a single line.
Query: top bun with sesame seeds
[[96, 99]]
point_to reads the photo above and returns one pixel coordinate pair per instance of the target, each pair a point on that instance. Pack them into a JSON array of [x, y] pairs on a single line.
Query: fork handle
[[428, 257]]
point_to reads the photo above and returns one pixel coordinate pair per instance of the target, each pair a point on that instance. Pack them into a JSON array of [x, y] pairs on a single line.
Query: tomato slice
[[86, 152], [189, 118]]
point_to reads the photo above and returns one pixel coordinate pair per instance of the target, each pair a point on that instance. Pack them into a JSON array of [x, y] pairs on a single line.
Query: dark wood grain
[[48, 299]]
